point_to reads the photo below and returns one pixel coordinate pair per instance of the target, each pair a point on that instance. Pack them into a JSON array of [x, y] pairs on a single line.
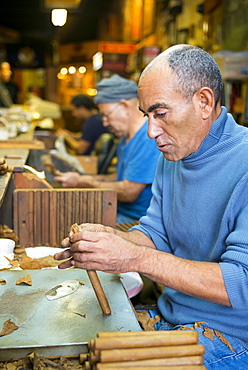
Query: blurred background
[[102, 37]]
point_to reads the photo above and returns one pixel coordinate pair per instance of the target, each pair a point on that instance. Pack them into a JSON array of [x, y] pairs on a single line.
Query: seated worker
[[91, 129], [136, 154], [8, 83], [194, 237], [6, 100]]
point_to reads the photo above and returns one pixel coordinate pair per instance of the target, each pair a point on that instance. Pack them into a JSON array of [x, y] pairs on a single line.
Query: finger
[[93, 266], [58, 178], [91, 236], [57, 172], [66, 264], [63, 255], [66, 243]]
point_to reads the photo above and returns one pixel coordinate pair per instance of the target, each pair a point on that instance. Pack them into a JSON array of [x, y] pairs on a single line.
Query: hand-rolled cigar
[[190, 367], [87, 366], [91, 344], [163, 333], [95, 282], [170, 361], [102, 299], [83, 357], [133, 354], [94, 357], [140, 341]]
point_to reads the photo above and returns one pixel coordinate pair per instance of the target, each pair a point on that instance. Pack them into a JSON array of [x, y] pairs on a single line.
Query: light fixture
[[82, 69], [72, 70], [59, 17], [63, 71]]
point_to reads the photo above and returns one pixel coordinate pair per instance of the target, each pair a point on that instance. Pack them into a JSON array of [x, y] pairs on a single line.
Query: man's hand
[[68, 179], [97, 247], [61, 132]]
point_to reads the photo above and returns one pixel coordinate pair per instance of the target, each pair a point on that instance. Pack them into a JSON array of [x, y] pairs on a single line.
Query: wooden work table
[[15, 152], [21, 157]]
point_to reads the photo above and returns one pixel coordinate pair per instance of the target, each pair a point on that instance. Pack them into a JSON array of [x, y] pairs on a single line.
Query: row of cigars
[[173, 349]]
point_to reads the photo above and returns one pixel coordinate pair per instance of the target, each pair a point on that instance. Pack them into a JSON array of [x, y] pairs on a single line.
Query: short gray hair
[[195, 68]]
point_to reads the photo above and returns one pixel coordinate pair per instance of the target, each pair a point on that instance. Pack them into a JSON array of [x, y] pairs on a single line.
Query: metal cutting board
[[63, 326]]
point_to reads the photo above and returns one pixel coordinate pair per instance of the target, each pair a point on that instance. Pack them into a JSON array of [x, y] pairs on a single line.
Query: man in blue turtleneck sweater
[[194, 237]]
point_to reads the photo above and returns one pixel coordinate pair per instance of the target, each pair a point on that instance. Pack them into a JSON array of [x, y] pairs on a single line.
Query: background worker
[[6, 94], [136, 154], [92, 128], [194, 238]]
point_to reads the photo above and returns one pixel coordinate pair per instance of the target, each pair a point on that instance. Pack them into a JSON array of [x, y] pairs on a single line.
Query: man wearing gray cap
[[136, 154]]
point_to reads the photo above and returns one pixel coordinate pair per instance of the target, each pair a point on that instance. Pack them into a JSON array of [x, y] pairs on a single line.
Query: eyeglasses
[[106, 116]]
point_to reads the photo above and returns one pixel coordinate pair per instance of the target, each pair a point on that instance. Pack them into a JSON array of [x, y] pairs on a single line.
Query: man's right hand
[[68, 179]]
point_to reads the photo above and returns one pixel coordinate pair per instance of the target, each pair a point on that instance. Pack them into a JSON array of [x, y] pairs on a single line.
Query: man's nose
[[153, 129]]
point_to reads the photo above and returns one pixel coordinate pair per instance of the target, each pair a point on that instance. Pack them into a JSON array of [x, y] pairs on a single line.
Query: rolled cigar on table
[[83, 357], [95, 282], [152, 340], [170, 361], [163, 333], [133, 354]]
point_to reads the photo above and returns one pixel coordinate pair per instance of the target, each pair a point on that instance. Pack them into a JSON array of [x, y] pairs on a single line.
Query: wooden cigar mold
[[95, 282], [177, 350]]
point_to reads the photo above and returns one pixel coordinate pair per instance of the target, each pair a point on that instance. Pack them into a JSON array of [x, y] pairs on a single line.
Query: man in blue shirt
[[194, 237], [83, 143], [136, 154]]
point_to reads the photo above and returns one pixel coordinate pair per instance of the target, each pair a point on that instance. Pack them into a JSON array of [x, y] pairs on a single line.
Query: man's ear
[[206, 101], [124, 102]]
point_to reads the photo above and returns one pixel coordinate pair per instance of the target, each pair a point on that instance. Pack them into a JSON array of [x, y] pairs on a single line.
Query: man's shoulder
[[95, 118]]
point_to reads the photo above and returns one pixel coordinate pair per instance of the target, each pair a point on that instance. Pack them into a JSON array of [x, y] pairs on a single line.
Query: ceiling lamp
[[67, 4], [59, 17]]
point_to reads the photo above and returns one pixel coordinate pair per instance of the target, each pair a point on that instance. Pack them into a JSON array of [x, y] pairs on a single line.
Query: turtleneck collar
[[213, 136]]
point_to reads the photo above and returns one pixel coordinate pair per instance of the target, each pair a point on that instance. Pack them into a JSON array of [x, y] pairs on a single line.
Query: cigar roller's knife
[[62, 290]]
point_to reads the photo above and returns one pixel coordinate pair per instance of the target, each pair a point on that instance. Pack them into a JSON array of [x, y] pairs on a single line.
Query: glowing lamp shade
[[59, 17]]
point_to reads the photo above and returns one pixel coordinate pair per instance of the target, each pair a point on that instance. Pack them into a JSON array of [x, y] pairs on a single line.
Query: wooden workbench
[[6, 185]]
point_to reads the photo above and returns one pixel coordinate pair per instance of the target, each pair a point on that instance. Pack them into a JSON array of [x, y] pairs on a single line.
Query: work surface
[[62, 326]]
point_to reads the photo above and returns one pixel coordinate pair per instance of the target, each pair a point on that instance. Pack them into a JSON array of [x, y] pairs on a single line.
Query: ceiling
[[27, 22]]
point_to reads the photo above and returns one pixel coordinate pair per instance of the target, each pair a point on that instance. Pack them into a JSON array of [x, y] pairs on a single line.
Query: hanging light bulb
[[59, 17]]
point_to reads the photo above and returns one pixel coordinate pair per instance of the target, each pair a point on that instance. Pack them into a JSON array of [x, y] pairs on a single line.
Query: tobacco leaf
[[10, 366], [8, 327], [183, 327], [209, 333], [28, 263], [34, 358], [147, 322], [223, 339], [6, 232], [13, 263], [198, 324], [25, 280]]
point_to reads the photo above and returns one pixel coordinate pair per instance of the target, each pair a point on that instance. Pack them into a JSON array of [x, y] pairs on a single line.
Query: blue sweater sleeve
[[234, 261]]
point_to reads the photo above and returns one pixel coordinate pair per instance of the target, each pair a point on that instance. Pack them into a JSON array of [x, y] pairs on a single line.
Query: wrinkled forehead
[[156, 77]]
